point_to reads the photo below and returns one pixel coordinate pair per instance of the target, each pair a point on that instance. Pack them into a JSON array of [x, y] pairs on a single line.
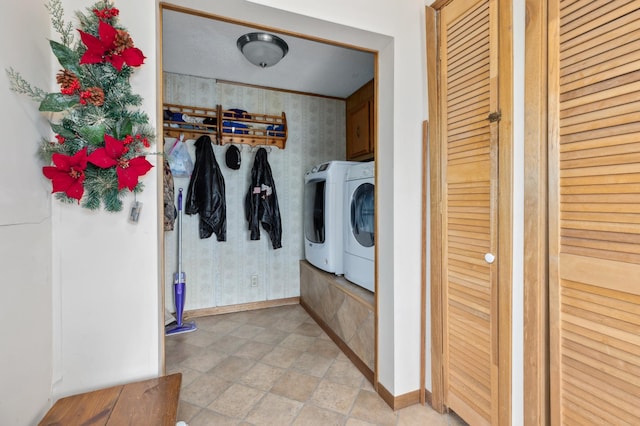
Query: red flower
[[113, 46], [68, 173], [61, 139], [128, 170]]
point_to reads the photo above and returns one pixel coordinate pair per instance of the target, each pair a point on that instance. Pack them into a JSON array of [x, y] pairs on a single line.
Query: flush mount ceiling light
[[262, 49]]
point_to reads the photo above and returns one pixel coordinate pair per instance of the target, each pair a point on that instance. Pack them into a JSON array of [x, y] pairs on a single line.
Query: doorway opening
[[222, 288]]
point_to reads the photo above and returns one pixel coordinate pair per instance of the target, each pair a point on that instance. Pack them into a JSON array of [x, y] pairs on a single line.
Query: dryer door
[[362, 215], [314, 211]]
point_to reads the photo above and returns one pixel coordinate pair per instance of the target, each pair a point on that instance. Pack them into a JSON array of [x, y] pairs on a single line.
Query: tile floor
[[276, 367]]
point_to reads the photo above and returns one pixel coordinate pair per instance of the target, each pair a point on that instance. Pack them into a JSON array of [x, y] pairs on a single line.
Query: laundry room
[[236, 270]]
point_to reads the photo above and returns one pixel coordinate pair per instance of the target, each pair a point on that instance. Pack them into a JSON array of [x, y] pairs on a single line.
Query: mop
[[179, 285]]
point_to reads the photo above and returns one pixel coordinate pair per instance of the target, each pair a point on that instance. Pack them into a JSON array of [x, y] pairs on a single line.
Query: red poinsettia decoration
[[114, 46], [68, 173], [127, 170]]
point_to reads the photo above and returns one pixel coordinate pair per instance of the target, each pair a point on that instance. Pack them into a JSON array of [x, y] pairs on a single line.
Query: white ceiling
[[204, 47]]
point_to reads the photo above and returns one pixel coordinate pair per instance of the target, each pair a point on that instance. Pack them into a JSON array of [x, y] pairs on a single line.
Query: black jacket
[[261, 202], [206, 192]]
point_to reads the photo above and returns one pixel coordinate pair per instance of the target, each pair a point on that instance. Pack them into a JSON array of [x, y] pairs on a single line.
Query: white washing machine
[[324, 215], [359, 225]]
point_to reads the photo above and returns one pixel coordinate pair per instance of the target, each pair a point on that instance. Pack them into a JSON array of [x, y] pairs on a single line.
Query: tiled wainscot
[[346, 312]]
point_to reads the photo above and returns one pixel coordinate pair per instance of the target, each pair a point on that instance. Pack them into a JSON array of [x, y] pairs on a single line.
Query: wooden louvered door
[[468, 77], [594, 217]]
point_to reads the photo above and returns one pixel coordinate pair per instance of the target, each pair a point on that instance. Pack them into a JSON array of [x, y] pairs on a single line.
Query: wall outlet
[[254, 280]]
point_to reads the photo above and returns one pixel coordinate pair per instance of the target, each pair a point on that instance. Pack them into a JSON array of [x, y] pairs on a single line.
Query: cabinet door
[[358, 131]]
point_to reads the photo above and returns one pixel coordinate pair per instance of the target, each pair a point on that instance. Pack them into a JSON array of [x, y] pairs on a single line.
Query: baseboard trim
[[401, 401], [241, 307], [360, 365], [428, 398]]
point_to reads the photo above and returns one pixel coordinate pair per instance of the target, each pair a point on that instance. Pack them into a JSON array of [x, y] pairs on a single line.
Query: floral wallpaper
[[220, 273]]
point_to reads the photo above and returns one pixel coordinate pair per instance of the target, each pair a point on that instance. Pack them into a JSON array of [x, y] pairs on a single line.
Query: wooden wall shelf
[[225, 126]]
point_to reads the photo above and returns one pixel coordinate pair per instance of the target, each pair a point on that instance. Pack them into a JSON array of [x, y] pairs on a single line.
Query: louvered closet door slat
[[621, 119], [612, 85], [617, 30], [600, 137], [469, 225], [609, 109], [473, 93], [578, 9], [589, 14], [607, 14], [592, 154], [592, 71], [468, 38], [589, 63], [595, 212]]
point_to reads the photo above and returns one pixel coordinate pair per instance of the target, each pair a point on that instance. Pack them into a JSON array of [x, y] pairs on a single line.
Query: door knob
[[489, 258]]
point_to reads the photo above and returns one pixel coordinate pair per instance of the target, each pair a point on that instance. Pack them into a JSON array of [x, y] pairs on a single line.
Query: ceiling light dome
[[262, 49]]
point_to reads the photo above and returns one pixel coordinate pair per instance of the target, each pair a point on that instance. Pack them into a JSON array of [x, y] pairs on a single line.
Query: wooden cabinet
[[360, 123]]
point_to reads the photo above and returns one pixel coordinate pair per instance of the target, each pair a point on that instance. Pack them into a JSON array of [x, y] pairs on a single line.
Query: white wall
[[219, 273], [517, 318], [25, 224], [93, 273], [106, 294]]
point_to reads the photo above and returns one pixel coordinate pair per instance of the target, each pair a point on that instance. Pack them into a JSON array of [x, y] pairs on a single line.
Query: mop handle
[[180, 234]]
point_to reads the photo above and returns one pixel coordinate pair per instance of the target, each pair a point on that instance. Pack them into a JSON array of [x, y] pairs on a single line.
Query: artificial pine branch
[[61, 196], [88, 21], [46, 150], [102, 185], [57, 21], [23, 87]]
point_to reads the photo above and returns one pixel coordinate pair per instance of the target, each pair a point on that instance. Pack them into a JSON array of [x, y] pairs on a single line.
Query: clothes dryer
[[324, 215], [359, 225]]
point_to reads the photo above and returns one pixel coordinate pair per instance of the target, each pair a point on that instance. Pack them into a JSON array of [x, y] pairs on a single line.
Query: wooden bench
[[151, 402]]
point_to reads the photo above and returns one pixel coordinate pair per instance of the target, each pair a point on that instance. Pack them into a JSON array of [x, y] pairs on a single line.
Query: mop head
[[185, 327]]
